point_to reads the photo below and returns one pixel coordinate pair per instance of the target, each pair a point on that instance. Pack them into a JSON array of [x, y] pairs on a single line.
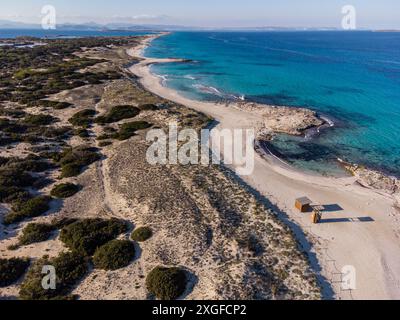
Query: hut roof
[[304, 201]]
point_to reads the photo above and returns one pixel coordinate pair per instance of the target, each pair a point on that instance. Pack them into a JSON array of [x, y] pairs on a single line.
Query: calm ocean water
[[352, 78], [39, 33]]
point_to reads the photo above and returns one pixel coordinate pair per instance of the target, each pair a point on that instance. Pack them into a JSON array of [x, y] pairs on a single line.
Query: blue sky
[[214, 13]]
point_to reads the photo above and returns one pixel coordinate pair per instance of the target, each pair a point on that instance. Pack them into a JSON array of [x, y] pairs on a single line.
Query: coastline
[[343, 239]]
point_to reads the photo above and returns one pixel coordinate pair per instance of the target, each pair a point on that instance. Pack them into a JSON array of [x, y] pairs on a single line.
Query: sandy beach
[[360, 226]]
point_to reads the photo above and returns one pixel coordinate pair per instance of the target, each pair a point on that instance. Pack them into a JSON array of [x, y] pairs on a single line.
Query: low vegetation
[[82, 133], [118, 113], [64, 190], [128, 130], [58, 224], [83, 118], [28, 209], [11, 176], [11, 270], [166, 283], [35, 232], [148, 107], [103, 144], [142, 234], [39, 119], [54, 104], [70, 269], [85, 236], [114, 255], [13, 194], [73, 160]]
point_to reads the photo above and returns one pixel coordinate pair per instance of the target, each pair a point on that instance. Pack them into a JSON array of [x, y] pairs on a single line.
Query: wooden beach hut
[[303, 204], [317, 214]]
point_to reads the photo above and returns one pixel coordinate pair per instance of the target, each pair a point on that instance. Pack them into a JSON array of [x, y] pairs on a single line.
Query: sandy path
[[364, 234]]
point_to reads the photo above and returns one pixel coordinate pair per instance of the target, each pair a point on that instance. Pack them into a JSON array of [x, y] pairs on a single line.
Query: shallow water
[[353, 78]]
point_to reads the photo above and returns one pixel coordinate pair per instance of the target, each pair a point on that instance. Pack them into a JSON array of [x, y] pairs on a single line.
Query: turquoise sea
[[352, 78]]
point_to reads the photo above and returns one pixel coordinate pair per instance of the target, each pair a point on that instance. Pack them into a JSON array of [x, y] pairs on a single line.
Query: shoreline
[[360, 227]]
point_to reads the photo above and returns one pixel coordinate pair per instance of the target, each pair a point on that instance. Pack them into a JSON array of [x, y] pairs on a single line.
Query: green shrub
[[32, 208], [13, 194], [54, 104], [58, 224], [24, 73], [83, 156], [13, 177], [103, 144], [35, 232], [148, 107], [114, 255], [32, 165], [70, 269], [13, 113], [11, 270], [118, 113], [38, 119], [166, 283], [70, 170], [142, 234], [83, 118], [4, 160], [73, 161], [64, 190], [103, 137], [87, 235], [128, 130], [7, 192], [82, 133]]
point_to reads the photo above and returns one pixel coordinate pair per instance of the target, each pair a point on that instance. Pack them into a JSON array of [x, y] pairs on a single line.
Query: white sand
[[373, 248]]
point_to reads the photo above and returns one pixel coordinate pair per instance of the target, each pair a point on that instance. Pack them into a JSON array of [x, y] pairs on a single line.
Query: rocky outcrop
[[279, 119], [373, 179]]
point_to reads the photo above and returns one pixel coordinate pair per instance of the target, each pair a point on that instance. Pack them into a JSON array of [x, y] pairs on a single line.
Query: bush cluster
[[82, 133], [35, 232], [64, 190], [148, 107], [118, 113], [54, 104], [73, 160], [13, 113], [31, 164], [28, 209], [39, 119], [70, 269], [83, 118], [142, 234], [87, 235], [114, 255], [11, 270], [11, 176], [58, 224], [166, 283], [14, 180], [103, 144], [128, 130], [13, 194]]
